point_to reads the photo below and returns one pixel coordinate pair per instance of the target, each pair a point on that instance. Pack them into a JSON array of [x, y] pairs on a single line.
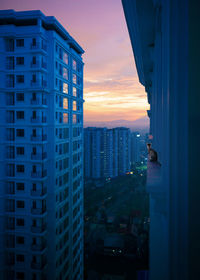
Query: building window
[[74, 79], [74, 105], [20, 150], [65, 117], [20, 240], [20, 222], [20, 132], [60, 118], [34, 60], [74, 118], [34, 132], [65, 58], [34, 78], [10, 63], [65, 73], [60, 101], [20, 60], [10, 98], [60, 85], [20, 275], [20, 168], [9, 45], [20, 96], [34, 151], [10, 134], [34, 96], [34, 42], [60, 53], [34, 116], [34, 169], [60, 69], [74, 65], [20, 79], [75, 91], [20, 115], [34, 187], [20, 186], [10, 80], [79, 68], [20, 42], [65, 103], [65, 87], [65, 133], [20, 258], [20, 204]]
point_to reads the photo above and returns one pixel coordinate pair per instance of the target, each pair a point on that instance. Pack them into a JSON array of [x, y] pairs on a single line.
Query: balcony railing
[[35, 120], [38, 211], [10, 120], [40, 192], [39, 138], [44, 119], [10, 84], [40, 156], [10, 209], [38, 266], [10, 66], [44, 65], [34, 46], [38, 247], [35, 83], [38, 229], [10, 191], [35, 101], [44, 101], [44, 83], [39, 174], [44, 46], [10, 227], [35, 65]]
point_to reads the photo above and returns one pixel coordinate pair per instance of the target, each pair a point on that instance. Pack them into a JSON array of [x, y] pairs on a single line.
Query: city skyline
[[111, 87]]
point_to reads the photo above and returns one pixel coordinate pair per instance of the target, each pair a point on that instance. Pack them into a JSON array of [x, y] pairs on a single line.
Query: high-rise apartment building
[[94, 141], [107, 152], [165, 41], [123, 149], [135, 147], [41, 119]]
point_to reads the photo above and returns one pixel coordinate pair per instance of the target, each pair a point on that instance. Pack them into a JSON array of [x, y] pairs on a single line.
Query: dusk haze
[[111, 87]]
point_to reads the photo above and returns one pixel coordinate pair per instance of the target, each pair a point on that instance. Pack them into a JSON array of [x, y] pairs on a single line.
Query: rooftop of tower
[[24, 18]]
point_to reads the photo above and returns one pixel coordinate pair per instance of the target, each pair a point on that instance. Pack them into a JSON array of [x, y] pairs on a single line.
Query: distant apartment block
[[135, 147], [107, 152], [41, 175]]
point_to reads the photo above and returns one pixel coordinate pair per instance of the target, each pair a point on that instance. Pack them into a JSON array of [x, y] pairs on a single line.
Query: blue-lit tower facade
[[41, 126]]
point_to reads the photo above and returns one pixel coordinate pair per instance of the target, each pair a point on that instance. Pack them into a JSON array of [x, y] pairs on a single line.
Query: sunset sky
[[111, 87]]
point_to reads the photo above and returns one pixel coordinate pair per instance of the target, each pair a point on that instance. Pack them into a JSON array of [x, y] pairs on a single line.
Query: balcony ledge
[[154, 177]]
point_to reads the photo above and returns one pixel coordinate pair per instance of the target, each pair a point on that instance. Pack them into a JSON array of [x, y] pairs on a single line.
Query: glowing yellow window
[[65, 118], [65, 87], [65, 103], [74, 105], [74, 91]]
